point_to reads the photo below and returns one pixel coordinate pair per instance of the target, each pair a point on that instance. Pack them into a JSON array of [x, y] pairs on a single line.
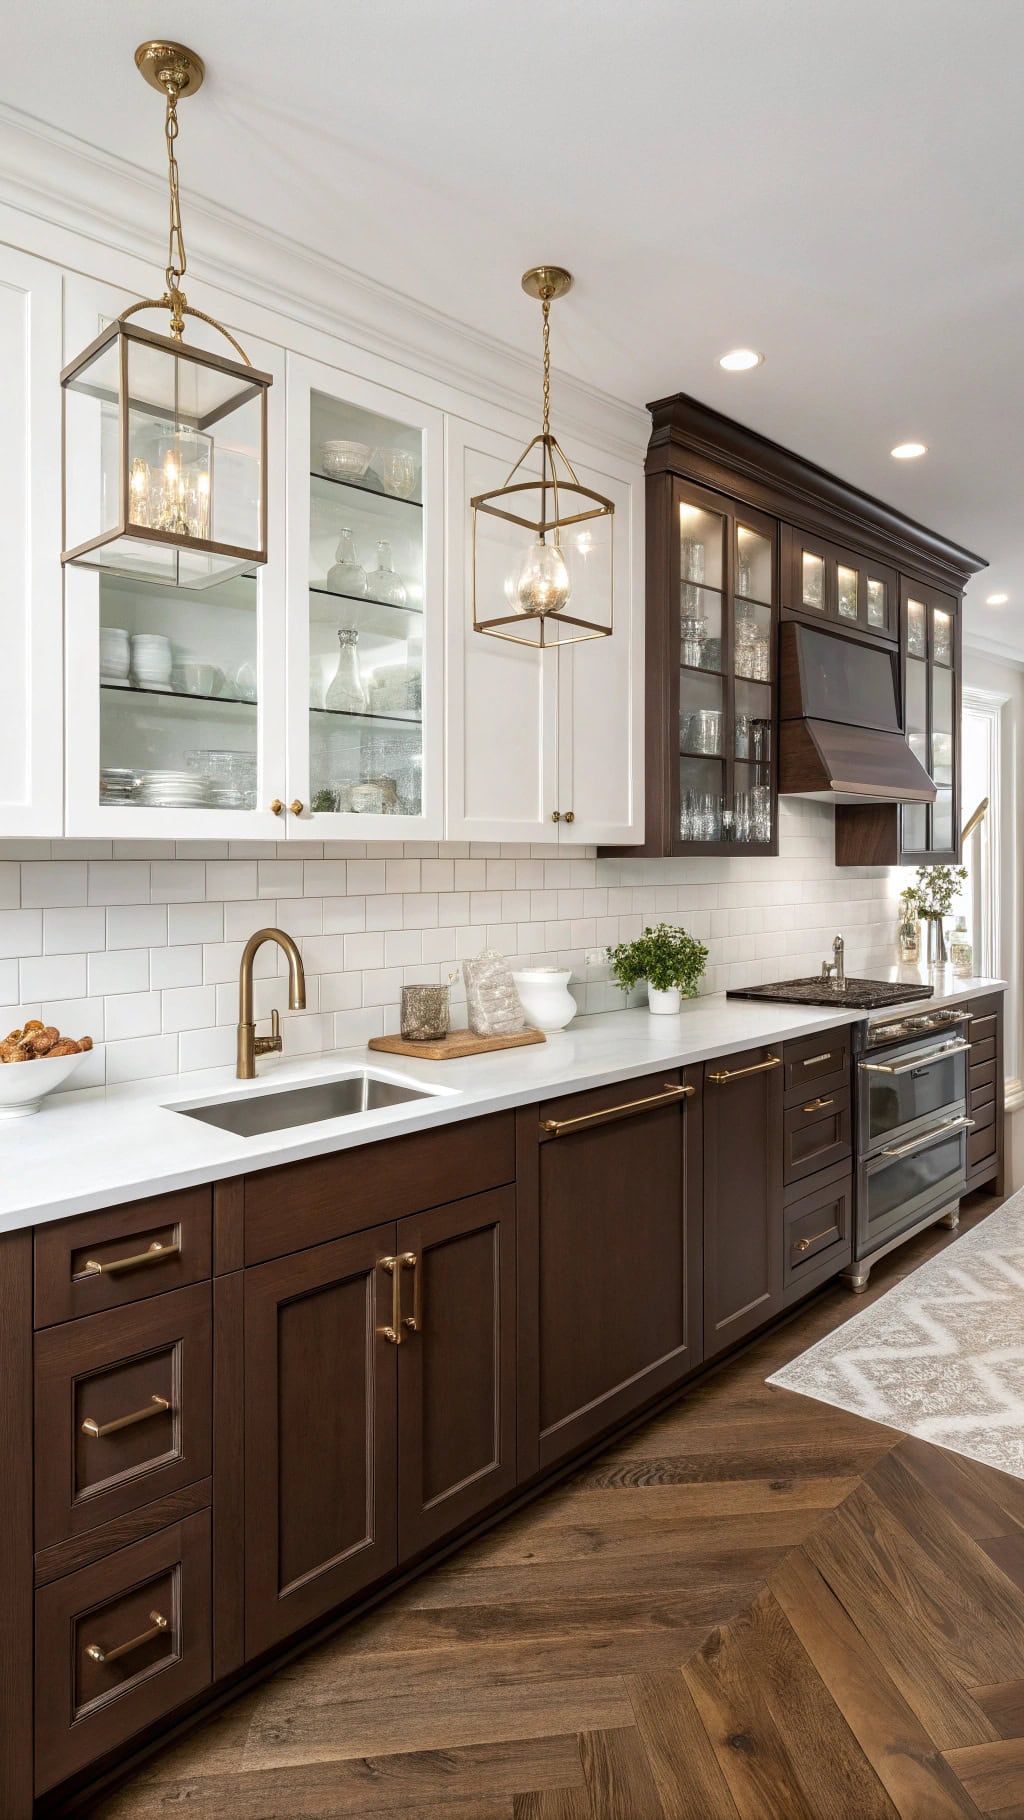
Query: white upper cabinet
[[365, 608], [337, 691], [175, 696], [30, 527]]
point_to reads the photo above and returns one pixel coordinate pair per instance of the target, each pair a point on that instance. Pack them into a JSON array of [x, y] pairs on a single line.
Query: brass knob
[[556, 815], [276, 806], [296, 807], [569, 816]]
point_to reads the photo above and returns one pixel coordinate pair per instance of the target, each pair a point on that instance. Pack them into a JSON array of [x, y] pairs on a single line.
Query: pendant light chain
[[176, 261], [547, 365]]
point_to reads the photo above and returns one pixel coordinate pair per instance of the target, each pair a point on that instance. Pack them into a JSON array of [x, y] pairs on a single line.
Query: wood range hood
[[840, 733]]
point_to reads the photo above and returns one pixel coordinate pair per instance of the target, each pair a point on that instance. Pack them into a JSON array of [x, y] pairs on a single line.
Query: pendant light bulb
[[542, 585]]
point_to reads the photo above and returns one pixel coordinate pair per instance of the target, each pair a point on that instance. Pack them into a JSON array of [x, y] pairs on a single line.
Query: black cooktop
[[860, 995]]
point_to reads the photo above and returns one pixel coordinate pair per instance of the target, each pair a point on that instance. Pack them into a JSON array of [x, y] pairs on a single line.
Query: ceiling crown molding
[[54, 177]]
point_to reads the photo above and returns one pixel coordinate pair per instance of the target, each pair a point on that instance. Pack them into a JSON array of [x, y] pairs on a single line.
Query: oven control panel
[[904, 1029]]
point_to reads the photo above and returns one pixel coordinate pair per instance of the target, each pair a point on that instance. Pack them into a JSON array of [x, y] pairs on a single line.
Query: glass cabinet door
[[726, 569], [360, 743], [930, 619], [822, 578]]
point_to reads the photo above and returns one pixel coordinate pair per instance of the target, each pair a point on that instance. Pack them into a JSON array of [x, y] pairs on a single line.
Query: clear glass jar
[[346, 694], [346, 575], [383, 582], [961, 950]]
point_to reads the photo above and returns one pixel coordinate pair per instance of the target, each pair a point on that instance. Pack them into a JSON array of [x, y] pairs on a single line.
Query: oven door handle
[[930, 1137], [917, 1061]]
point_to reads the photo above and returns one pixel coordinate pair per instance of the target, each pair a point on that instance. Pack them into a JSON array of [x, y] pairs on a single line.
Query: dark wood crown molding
[[692, 439]]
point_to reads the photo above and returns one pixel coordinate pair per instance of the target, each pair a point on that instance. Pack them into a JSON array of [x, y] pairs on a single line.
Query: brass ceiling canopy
[[569, 558], [170, 66], [165, 472]]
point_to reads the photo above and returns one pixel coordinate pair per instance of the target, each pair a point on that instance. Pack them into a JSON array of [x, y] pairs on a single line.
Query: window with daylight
[[980, 779]]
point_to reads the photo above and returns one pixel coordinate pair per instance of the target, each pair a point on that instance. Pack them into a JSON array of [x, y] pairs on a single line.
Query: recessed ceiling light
[[909, 451], [996, 600], [740, 360]]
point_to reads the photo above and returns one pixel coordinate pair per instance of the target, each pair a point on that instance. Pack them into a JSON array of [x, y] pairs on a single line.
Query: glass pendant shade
[[542, 554], [165, 460]]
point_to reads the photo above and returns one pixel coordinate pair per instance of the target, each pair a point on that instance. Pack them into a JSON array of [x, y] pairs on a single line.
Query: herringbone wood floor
[[754, 1608]]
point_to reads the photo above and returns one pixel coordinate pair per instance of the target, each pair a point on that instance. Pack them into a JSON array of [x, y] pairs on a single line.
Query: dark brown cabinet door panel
[[123, 1411], [816, 1134], [456, 1366], [609, 1248], [818, 1234], [119, 1644], [742, 1195], [320, 1420]]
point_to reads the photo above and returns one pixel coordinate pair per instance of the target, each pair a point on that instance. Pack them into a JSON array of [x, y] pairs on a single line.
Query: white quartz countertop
[[101, 1146]]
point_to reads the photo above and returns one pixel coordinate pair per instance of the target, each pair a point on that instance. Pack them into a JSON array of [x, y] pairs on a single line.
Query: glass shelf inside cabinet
[[177, 688], [753, 565], [366, 610]]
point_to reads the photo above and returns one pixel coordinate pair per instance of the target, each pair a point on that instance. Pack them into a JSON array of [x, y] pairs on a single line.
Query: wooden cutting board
[[455, 1045]]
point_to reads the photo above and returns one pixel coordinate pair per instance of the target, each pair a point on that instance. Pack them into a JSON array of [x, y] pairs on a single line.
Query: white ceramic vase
[[545, 996], [663, 1002]]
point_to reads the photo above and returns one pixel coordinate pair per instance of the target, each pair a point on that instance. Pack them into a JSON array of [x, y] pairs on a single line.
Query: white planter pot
[[664, 1003], [545, 996]]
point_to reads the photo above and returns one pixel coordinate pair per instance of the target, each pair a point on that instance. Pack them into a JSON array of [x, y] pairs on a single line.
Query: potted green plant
[[935, 891], [671, 962]]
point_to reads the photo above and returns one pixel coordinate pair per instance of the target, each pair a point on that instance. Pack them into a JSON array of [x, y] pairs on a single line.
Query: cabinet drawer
[[984, 1029], [329, 1197], [816, 1134], [981, 1145], [122, 1411], [120, 1644], [815, 1065], [122, 1254], [819, 1230], [982, 1050], [983, 1116], [981, 1082]]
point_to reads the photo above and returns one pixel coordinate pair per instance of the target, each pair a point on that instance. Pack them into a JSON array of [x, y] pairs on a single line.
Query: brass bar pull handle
[[813, 1060], [158, 1253], [817, 1105], [393, 1266], [805, 1244], [917, 1061], [671, 1092], [157, 1406], [930, 1137], [735, 1074], [96, 1652], [409, 1260]]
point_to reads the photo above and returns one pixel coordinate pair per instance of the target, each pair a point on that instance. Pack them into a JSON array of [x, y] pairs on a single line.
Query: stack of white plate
[[152, 661], [173, 790], [117, 785]]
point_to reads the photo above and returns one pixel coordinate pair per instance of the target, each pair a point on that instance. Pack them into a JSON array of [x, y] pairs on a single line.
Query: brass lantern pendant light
[[542, 542], [165, 445]]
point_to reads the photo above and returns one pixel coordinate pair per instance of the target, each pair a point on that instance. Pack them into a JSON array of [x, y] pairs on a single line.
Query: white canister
[[545, 996], [663, 1000]]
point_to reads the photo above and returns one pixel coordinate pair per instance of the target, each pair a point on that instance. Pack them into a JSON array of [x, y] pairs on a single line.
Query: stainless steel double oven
[[912, 1125]]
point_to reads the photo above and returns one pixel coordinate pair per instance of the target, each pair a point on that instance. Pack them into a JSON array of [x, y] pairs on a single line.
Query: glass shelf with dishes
[[177, 695], [929, 833], [727, 614], [366, 622]]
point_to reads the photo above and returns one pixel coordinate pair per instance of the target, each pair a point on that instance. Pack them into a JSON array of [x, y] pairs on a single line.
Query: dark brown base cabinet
[[333, 1368]]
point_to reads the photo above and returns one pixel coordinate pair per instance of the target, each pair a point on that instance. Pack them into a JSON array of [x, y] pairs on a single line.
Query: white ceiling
[[836, 184]]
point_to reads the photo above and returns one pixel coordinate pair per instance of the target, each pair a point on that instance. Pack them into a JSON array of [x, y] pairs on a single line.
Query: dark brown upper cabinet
[[742, 534], [930, 835], [824, 580]]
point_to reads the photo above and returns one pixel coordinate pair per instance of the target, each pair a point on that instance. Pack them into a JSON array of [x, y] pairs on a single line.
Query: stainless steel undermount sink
[[253, 1116]]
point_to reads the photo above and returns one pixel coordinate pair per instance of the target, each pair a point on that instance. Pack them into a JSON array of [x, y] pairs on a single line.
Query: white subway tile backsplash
[[137, 926], [54, 976], [73, 931], [160, 964]]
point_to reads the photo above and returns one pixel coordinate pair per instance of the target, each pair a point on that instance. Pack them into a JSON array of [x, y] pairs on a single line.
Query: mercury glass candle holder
[[425, 1013]]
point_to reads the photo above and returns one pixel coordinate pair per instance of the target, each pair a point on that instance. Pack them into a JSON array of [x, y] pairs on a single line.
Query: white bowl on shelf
[[25, 1085], [197, 679], [343, 460]]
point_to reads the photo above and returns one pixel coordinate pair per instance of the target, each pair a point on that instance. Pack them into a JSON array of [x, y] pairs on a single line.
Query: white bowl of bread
[[33, 1061]]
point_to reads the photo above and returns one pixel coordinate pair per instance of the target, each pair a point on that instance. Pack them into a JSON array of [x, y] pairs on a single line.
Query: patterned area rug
[[941, 1355]]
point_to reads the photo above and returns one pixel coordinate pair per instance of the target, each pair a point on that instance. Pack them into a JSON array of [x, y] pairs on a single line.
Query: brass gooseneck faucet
[[249, 1044]]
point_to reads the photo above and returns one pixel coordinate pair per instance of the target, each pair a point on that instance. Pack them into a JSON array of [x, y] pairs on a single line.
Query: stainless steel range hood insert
[[840, 737]]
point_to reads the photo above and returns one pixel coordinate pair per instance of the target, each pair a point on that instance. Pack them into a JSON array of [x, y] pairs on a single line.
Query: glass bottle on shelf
[[347, 575], [961, 951], [346, 694], [383, 582]]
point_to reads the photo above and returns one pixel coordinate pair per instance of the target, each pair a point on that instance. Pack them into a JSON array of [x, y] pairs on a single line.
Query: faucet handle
[[270, 1045]]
